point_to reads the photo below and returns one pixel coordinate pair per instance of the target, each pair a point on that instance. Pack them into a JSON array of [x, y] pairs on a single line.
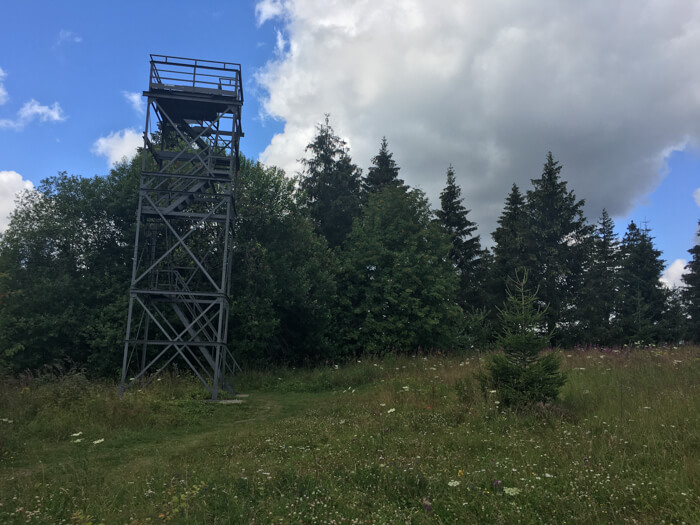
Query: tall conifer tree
[[383, 171], [641, 299], [509, 252], [331, 185], [558, 238], [466, 252], [691, 293], [597, 306]]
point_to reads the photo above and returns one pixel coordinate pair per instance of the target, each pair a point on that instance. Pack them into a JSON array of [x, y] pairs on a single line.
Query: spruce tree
[[521, 375], [331, 185], [597, 305], [510, 253], [558, 240], [691, 292], [383, 171], [466, 252], [641, 299]]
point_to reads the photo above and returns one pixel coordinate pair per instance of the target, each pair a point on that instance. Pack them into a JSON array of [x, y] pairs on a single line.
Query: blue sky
[[488, 87]]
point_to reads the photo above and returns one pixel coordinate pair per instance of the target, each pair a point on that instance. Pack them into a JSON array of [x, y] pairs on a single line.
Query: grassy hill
[[397, 440]]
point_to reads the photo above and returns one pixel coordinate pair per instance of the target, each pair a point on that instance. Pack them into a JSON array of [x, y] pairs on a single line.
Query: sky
[[489, 87]]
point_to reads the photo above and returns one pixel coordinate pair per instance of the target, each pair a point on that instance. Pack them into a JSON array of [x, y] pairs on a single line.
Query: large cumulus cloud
[[609, 87]]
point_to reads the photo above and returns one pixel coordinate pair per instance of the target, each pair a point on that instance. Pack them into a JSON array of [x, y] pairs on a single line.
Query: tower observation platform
[[180, 287]]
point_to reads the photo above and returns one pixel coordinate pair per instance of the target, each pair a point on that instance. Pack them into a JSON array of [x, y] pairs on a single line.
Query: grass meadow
[[392, 440]]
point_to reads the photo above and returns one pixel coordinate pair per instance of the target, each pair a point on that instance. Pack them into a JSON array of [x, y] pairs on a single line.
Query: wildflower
[[76, 434], [77, 440], [391, 410], [453, 483], [548, 475], [382, 404], [405, 388], [492, 391], [511, 491], [97, 441], [5, 420], [460, 473], [426, 504]]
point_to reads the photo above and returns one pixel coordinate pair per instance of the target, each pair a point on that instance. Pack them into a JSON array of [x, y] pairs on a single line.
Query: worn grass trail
[[397, 440]]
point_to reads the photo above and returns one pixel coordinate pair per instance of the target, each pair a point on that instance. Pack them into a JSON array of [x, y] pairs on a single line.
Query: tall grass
[[397, 440]]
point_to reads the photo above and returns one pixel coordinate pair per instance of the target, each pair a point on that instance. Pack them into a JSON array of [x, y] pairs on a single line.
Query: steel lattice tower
[[180, 285]]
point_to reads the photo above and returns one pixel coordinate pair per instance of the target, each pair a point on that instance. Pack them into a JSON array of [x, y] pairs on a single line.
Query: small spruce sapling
[[521, 375]]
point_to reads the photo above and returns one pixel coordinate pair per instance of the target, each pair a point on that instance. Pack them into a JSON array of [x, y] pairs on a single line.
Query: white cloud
[[281, 43], [491, 87], [268, 9], [136, 101], [118, 145], [4, 97], [671, 278], [696, 196], [11, 183], [65, 36], [32, 110]]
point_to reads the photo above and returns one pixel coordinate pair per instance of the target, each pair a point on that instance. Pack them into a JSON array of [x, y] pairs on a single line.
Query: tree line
[[332, 264]]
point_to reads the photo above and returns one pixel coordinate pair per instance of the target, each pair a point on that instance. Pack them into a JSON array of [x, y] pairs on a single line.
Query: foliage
[[521, 375], [601, 285], [331, 185], [510, 252], [466, 253], [284, 275], [642, 298], [65, 262], [558, 241], [384, 171], [691, 293], [396, 286]]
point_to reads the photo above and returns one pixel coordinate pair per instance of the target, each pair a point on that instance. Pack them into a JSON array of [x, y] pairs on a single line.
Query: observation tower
[[180, 285]]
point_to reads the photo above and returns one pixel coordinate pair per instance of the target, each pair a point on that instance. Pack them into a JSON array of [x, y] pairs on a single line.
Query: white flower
[[97, 441], [405, 388], [77, 440], [511, 491], [382, 404], [453, 483], [76, 434], [548, 475], [391, 410]]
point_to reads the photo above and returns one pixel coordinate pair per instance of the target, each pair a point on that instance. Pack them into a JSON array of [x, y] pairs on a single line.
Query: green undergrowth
[[392, 440]]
